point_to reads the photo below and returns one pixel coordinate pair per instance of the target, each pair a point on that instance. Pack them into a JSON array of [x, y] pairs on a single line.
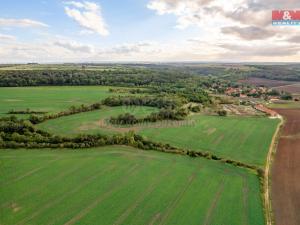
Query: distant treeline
[[276, 72], [121, 77]]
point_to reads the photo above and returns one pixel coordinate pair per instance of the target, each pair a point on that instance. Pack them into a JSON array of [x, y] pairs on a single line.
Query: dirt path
[[267, 198], [286, 172]]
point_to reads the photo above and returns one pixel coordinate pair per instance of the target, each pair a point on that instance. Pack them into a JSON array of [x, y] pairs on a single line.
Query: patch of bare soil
[[241, 110], [15, 207], [292, 88], [285, 176]]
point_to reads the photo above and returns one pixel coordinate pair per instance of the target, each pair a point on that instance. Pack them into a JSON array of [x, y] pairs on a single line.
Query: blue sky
[[129, 21], [144, 30]]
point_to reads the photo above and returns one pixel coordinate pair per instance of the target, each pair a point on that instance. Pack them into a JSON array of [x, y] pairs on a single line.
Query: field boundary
[[266, 181]]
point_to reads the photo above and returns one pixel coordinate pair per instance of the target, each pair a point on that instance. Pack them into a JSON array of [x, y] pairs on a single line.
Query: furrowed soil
[[266, 82], [293, 88], [286, 171]]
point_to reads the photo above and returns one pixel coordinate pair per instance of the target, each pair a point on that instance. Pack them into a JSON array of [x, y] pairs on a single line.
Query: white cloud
[[5, 37], [226, 34], [226, 23], [74, 46], [88, 15], [248, 32], [189, 12], [21, 23], [191, 50]]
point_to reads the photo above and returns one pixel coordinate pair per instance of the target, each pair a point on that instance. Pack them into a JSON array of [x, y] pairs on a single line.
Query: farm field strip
[[285, 195], [242, 139], [107, 181]]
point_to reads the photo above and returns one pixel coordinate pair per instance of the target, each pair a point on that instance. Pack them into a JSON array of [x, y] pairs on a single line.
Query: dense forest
[[119, 77], [276, 72]]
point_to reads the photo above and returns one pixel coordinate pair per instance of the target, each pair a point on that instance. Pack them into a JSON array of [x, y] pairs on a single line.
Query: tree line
[[158, 102], [35, 119], [164, 114], [16, 133]]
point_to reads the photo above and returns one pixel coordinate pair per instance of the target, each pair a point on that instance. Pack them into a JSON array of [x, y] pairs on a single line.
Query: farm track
[[286, 171], [266, 185]]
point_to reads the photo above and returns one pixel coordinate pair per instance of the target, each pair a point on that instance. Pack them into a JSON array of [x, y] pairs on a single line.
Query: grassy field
[[92, 122], [285, 105], [241, 138], [49, 99], [122, 185], [246, 139]]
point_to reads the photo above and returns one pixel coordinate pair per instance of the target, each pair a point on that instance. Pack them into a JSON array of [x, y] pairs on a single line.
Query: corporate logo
[[286, 17]]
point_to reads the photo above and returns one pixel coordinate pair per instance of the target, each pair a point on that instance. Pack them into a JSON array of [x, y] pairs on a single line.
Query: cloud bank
[[88, 15]]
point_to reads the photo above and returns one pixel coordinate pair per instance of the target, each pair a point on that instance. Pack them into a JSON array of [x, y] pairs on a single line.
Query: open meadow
[[246, 139], [125, 186], [49, 99]]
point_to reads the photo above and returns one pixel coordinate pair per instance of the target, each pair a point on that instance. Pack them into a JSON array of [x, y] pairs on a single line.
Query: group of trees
[[158, 102], [191, 94], [164, 114], [276, 72], [123, 76], [15, 133], [35, 119]]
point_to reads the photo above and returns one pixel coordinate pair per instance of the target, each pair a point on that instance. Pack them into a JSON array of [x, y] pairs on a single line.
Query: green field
[[285, 105], [121, 185], [49, 99], [244, 139], [92, 122]]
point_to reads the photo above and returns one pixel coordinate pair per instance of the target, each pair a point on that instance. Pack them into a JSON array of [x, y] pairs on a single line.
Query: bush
[[222, 113]]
